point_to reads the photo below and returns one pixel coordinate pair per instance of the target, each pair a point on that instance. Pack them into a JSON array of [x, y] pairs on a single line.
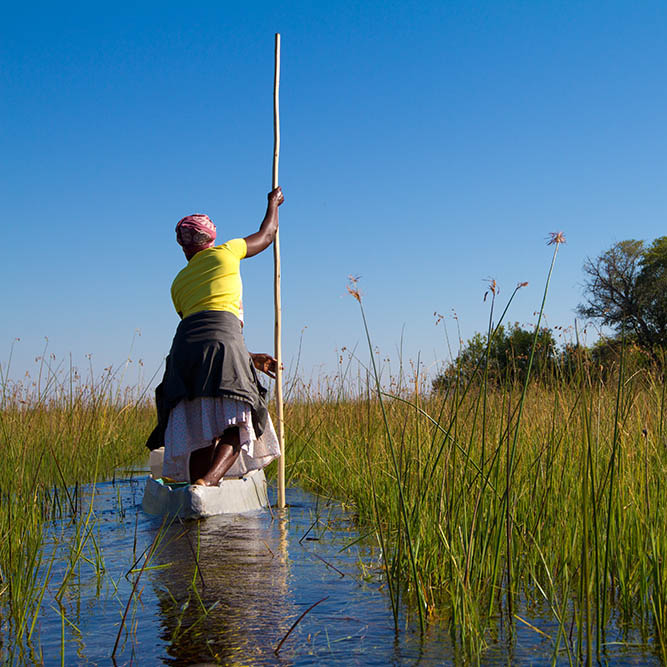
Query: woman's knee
[[232, 437]]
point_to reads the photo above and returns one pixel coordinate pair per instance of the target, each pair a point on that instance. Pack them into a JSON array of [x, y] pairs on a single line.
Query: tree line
[[625, 290]]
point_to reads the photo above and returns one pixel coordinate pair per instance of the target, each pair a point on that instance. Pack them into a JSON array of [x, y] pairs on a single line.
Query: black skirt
[[208, 357]]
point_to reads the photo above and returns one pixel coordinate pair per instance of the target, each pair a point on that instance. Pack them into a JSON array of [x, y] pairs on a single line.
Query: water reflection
[[224, 591], [230, 588]]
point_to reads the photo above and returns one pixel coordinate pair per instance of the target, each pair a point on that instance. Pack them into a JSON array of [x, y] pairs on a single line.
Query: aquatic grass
[[396, 467], [556, 240], [555, 482], [57, 433], [560, 485], [149, 555]]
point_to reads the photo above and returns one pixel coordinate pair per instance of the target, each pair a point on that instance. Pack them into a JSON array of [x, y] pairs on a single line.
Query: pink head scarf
[[195, 232]]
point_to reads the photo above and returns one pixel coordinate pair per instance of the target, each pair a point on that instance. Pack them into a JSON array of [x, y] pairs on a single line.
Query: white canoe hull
[[233, 496]]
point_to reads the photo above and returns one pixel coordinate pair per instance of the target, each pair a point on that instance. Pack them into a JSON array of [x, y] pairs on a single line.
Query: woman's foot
[[202, 482]]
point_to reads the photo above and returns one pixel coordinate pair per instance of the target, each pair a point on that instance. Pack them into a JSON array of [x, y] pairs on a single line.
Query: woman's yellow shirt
[[211, 281]]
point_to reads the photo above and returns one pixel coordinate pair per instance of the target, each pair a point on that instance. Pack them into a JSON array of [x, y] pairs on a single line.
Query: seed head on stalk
[[493, 288], [353, 289], [555, 239]]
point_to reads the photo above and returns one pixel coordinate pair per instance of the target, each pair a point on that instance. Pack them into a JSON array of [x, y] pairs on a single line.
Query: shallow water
[[256, 574], [228, 589]]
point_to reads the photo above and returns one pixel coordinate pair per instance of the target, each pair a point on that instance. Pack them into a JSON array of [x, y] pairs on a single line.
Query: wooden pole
[[276, 286]]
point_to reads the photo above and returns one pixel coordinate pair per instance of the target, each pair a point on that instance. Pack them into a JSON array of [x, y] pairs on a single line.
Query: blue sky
[[426, 147]]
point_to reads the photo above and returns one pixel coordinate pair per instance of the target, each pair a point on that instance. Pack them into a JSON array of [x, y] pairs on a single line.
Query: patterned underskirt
[[195, 424]]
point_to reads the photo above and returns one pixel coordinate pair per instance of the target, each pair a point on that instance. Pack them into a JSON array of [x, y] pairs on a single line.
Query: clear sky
[[426, 147]]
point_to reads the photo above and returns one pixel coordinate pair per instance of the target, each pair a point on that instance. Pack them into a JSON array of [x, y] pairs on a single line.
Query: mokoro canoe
[[232, 496]]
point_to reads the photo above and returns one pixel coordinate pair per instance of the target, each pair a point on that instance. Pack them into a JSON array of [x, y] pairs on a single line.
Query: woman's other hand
[[265, 363]]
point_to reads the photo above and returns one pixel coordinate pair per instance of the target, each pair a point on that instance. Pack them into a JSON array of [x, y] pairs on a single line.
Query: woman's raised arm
[[263, 238]]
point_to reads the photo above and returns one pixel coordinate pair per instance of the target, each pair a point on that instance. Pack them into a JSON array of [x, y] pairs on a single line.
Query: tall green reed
[[499, 477], [57, 432]]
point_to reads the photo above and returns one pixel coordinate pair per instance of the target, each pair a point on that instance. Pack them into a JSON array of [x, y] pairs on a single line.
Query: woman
[[212, 415]]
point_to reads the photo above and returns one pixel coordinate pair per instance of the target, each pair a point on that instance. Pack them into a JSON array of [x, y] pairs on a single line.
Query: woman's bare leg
[[201, 461], [225, 453]]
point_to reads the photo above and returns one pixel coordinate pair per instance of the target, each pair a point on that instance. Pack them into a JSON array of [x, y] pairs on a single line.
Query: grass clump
[[565, 508], [490, 499], [57, 432]]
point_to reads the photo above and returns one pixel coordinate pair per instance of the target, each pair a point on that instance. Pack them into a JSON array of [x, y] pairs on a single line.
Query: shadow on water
[[228, 589]]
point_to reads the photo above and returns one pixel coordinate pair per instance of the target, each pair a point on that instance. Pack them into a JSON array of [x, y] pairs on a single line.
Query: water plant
[[490, 500], [57, 432]]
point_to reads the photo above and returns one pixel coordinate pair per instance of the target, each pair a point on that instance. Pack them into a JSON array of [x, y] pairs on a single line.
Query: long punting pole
[[276, 285]]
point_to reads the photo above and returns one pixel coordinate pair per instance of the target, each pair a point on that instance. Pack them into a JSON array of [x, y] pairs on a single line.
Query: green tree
[[626, 289], [508, 356], [652, 289]]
